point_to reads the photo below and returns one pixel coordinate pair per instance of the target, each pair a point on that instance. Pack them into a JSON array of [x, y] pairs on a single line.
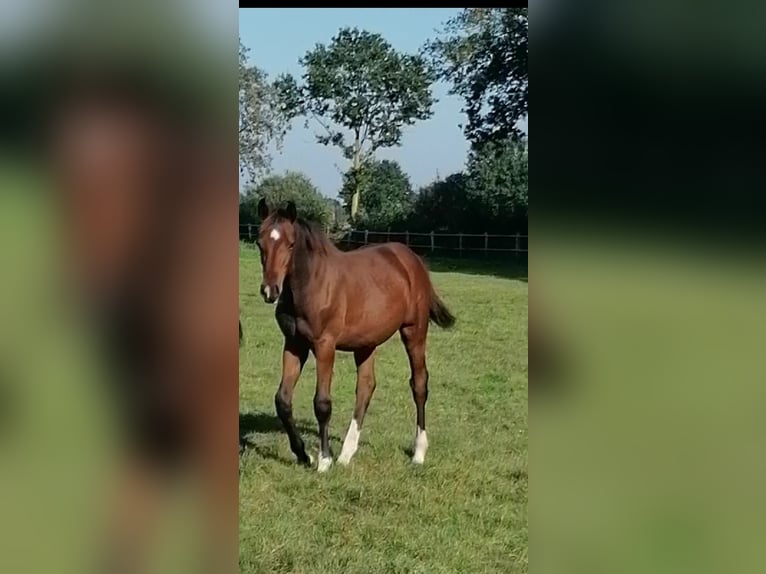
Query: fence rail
[[441, 242], [434, 242]]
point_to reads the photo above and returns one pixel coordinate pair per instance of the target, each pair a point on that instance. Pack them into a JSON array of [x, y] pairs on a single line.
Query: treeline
[[490, 195]]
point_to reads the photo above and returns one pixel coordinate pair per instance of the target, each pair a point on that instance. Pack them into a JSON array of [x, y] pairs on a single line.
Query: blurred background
[[118, 358], [648, 287]]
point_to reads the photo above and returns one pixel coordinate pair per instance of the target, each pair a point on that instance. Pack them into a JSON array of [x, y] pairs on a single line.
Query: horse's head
[[109, 154], [276, 238]]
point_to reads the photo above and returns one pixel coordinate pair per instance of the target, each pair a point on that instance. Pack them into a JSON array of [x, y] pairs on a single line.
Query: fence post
[[250, 231], [366, 232], [407, 238], [432, 240], [460, 244], [518, 242]]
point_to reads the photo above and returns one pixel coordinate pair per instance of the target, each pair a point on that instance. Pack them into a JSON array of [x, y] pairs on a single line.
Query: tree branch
[[321, 123]]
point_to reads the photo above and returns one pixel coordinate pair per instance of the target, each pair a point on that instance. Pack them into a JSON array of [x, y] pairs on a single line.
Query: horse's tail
[[438, 312], [240, 333]]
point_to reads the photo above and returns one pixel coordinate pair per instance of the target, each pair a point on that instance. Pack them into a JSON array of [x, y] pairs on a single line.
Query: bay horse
[[127, 171], [328, 300]]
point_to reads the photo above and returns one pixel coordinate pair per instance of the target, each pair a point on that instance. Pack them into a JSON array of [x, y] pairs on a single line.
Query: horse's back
[[395, 258]]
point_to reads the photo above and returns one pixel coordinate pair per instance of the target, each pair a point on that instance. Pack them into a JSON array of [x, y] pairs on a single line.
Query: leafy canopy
[[483, 52], [498, 180], [387, 197], [278, 190], [260, 117], [360, 84], [491, 196]]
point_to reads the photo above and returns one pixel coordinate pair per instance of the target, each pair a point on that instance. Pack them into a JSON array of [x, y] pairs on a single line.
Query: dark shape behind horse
[[327, 300], [127, 173]]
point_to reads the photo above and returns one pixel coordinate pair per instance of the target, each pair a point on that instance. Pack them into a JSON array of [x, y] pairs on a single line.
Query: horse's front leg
[[293, 358], [324, 351]]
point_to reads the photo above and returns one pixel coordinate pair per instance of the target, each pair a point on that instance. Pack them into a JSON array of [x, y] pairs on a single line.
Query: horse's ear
[[292, 212], [263, 209]]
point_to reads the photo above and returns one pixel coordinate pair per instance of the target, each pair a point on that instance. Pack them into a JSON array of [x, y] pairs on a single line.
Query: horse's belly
[[370, 329], [353, 341]]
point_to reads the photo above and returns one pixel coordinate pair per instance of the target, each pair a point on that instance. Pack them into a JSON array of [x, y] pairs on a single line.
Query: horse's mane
[[313, 238], [308, 235]]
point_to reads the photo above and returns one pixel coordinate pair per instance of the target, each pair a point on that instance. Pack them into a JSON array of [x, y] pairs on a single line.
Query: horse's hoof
[[344, 459], [324, 463], [308, 461], [418, 458]]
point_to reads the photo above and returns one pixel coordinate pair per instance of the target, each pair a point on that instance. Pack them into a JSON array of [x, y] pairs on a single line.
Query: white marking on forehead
[[274, 234]]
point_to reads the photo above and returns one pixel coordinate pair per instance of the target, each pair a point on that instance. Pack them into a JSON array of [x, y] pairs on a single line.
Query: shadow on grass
[[260, 423], [264, 423], [495, 267], [257, 422]]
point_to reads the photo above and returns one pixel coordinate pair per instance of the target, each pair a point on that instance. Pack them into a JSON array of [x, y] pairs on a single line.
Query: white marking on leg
[[324, 464], [350, 443], [274, 234], [421, 446]]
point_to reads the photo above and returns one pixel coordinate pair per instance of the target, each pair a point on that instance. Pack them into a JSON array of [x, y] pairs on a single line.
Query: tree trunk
[[355, 203], [356, 191]]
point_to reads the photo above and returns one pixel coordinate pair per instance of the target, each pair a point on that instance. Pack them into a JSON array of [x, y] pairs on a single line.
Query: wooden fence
[[435, 243], [444, 242]]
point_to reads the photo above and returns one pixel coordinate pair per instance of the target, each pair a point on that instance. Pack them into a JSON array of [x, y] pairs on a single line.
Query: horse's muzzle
[[270, 293]]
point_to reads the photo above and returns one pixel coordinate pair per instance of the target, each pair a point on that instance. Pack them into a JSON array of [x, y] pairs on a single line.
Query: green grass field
[[464, 511]]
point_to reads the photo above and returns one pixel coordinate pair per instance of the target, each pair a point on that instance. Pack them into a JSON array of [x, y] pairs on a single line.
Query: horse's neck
[[308, 271]]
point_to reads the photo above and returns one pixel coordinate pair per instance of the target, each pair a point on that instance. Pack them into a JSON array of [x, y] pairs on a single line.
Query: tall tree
[[483, 52], [361, 93], [260, 117], [386, 195]]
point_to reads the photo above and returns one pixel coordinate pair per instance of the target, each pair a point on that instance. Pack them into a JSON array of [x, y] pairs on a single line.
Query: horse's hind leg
[[293, 358], [414, 338], [365, 386]]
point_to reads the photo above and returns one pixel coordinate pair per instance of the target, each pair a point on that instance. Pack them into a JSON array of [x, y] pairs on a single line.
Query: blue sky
[[279, 37]]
